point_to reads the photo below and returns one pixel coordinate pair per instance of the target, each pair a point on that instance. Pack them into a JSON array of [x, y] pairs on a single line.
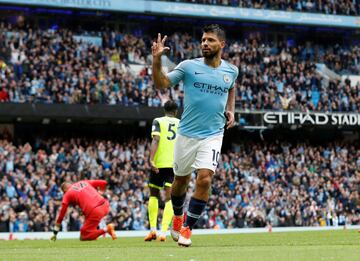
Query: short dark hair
[[170, 106], [216, 29], [63, 185]]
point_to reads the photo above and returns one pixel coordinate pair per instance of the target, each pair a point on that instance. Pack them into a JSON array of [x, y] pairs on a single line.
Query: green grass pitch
[[320, 245]]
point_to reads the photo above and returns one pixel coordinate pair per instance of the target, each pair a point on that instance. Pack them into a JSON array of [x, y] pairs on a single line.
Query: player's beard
[[210, 54]]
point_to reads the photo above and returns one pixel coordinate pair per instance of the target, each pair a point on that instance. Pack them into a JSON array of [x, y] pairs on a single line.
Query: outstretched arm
[[159, 78], [61, 216], [64, 207]]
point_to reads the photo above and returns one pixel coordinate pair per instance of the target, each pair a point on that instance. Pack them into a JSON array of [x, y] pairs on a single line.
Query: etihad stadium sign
[[264, 119], [301, 118]]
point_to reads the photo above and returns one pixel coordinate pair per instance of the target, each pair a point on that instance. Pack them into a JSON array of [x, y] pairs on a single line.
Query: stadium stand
[[343, 7], [257, 183], [274, 76]]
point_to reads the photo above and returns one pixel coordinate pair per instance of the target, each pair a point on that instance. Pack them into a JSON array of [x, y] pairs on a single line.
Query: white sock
[[153, 229]]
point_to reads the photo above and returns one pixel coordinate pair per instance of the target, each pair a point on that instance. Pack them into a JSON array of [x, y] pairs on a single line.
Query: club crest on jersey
[[227, 78]]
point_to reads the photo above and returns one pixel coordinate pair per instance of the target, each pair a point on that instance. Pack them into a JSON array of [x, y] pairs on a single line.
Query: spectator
[[88, 73], [275, 183], [327, 6]]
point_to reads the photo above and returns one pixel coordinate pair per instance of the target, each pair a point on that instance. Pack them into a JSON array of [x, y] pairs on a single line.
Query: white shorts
[[191, 154]]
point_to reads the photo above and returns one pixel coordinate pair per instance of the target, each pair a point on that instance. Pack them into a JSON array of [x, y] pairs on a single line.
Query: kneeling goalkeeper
[[94, 206]]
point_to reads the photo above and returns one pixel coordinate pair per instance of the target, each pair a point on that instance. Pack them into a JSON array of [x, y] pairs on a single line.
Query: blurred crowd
[[285, 77], [52, 66], [59, 66], [256, 184], [31, 177], [341, 7], [283, 184]]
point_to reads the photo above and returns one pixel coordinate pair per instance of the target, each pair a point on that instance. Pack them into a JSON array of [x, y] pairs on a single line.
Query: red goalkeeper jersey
[[84, 195]]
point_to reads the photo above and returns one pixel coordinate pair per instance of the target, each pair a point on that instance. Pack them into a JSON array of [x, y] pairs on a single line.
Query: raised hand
[[153, 167], [158, 47], [55, 232]]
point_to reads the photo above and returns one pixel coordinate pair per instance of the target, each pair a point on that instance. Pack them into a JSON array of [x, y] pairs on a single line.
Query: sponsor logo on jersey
[[211, 88]]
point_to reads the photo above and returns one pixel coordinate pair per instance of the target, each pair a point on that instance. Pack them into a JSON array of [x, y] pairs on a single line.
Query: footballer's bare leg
[[196, 205], [167, 193], [178, 195], [180, 185], [203, 184]]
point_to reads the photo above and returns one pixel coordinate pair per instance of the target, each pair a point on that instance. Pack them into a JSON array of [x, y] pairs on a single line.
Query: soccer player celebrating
[[209, 105], [94, 206], [161, 160]]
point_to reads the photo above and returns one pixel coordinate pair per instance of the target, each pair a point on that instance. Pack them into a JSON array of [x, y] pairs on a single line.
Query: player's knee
[[167, 196], [154, 192], [83, 235], [203, 182], [180, 182]]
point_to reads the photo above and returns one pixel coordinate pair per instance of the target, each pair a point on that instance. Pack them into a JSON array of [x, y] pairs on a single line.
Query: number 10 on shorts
[[215, 157]]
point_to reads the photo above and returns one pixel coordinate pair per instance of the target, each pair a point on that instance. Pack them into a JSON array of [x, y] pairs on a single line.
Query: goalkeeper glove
[[55, 232]]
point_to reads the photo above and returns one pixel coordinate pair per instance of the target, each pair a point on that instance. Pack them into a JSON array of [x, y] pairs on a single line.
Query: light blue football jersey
[[206, 92]]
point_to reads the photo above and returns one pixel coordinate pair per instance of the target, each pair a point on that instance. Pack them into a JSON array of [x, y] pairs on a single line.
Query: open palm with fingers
[[158, 47]]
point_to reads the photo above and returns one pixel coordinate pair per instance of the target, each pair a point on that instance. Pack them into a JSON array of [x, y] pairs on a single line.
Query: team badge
[[227, 78]]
